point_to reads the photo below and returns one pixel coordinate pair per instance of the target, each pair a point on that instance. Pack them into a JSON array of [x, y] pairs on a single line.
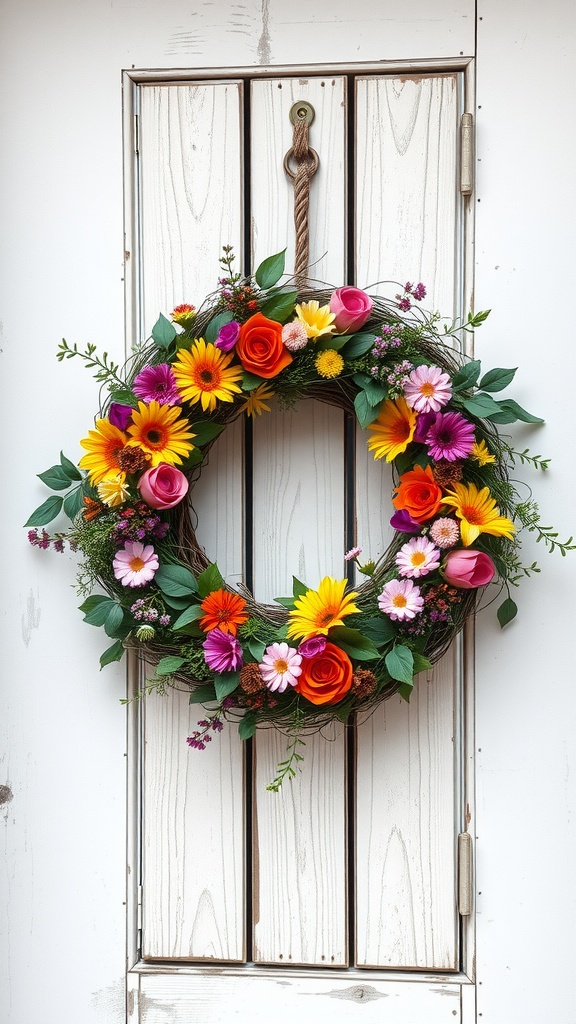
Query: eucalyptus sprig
[[106, 372], [287, 768]]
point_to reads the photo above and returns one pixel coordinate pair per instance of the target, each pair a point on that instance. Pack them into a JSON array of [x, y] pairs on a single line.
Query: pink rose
[[467, 569], [351, 307], [163, 487]]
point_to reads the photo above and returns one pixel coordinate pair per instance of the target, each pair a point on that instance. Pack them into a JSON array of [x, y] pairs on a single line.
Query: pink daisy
[[417, 557], [450, 437], [280, 666], [157, 384], [222, 651], [294, 336], [352, 555], [445, 532], [135, 565], [400, 599], [427, 389]]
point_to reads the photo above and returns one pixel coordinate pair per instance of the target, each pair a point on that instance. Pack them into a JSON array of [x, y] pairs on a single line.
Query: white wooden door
[[352, 866]]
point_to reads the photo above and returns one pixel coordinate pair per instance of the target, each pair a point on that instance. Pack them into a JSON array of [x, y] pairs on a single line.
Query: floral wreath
[[321, 653]]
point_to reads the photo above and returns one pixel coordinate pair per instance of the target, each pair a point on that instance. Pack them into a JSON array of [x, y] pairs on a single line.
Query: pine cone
[[364, 683]]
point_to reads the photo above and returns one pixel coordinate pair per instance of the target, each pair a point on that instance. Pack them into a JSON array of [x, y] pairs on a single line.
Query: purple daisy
[[222, 651], [450, 437], [157, 384]]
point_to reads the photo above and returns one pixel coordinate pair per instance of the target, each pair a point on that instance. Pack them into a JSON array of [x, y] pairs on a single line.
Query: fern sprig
[[107, 372]]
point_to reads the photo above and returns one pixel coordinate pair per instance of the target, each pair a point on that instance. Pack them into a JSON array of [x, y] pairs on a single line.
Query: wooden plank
[[193, 904], [406, 173], [212, 999], [405, 848], [193, 800], [299, 529]]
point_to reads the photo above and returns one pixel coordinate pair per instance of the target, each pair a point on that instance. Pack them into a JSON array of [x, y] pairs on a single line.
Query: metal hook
[[312, 158], [302, 111]]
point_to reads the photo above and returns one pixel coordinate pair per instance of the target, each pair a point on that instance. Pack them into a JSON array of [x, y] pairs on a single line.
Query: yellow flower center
[[324, 619], [280, 666], [399, 601], [417, 558], [136, 564], [427, 389]]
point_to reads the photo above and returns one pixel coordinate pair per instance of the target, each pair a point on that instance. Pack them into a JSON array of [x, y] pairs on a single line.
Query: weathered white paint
[[62, 731]]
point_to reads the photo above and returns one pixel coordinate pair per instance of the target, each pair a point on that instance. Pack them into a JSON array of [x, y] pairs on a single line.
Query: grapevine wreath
[[329, 649]]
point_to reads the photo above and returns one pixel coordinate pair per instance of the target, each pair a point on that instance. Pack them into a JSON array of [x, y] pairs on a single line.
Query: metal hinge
[[466, 154], [465, 874]]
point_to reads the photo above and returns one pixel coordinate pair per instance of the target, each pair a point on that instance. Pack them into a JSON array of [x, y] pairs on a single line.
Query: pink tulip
[[351, 308], [163, 487], [468, 569]]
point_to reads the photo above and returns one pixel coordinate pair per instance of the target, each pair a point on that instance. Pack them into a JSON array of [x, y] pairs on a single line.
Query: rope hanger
[[307, 163]]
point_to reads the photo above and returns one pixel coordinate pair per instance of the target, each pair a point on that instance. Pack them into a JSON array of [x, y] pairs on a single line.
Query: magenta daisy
[[352, 555], [450, 437], [280, 666], [136, 564], [222, 651], [445, 532], [417, 557], [427, 389], [401, 599], [157, 384]]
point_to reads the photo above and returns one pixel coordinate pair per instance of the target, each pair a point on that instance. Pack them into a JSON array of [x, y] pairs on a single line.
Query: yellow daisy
[[257, 399], [329, 363], [161, 432], [481, 453], [112, 490], [315, 319], [318, 610], [478, 513], [203, 374], [393, 430], [103, 445]]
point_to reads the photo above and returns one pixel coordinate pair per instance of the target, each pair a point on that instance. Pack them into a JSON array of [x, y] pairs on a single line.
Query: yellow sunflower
[[393, 430], [257, 399], [318, 610], [315, 319], [203, 374], [478, 513], [161, 432], [103, 445]]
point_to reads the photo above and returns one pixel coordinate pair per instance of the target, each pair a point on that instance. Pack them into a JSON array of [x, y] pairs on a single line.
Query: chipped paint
[[264, 51], [358, 994], [6, 795], [30, 618]]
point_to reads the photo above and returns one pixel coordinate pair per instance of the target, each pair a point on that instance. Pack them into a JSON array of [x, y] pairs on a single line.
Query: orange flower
[[224, 611], [260, 348], [419, 494], [394, 429], [327, 677]]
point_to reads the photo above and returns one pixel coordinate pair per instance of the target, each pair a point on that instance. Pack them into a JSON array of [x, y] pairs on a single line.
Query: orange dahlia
[[223, 610]]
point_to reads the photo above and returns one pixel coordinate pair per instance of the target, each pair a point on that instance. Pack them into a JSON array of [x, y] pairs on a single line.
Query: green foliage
[[176, 581], [270, 270], [400, 664], [225, 683], [45, 512], [506, 612], [111, 654], [280, 305], [215, 325], [163, 333], [106, 371], [354, 643], [209, 580], [247, 726]]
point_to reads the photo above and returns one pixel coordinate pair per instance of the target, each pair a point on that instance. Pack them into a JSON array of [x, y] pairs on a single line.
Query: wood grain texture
[[405, 847], [193, 837], [191, 189]]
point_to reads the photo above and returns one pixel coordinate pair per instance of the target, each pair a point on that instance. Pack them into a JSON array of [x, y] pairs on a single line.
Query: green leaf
[[177, 603], [215, 325], [176, 581], [270, 270], [114, 620], [45, 512], [225, 683], [475, 319], [405, 691], [466, 376], [256, 648], [92, 602], [163, 332], [279, 306], [334, 342], [247, 726], [73, 502], [286, 602], [205, 431], [194, 458], [358, 345], [168, 665], [400, 664], [380, 630], [192, 614], [365, 411], [99, 612], [508, 406], [497, 379], [123, 396], [506, 612], [481, 405], [210, 580], [299, 588], [69, 468], [250, 381], [203, 694], [56, 478], [356, 645], [113, 653], [421, 662]]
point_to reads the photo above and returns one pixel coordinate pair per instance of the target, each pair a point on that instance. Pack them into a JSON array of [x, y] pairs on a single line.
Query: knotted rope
[[306, 161]]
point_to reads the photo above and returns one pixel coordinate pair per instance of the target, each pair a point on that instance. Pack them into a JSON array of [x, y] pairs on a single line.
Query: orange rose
[[260, 348], [419, 494], [327, 677]]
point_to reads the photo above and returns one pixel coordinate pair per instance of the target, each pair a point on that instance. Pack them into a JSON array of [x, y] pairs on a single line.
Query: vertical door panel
[[300, 834], [193, 850], [406, 817]]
